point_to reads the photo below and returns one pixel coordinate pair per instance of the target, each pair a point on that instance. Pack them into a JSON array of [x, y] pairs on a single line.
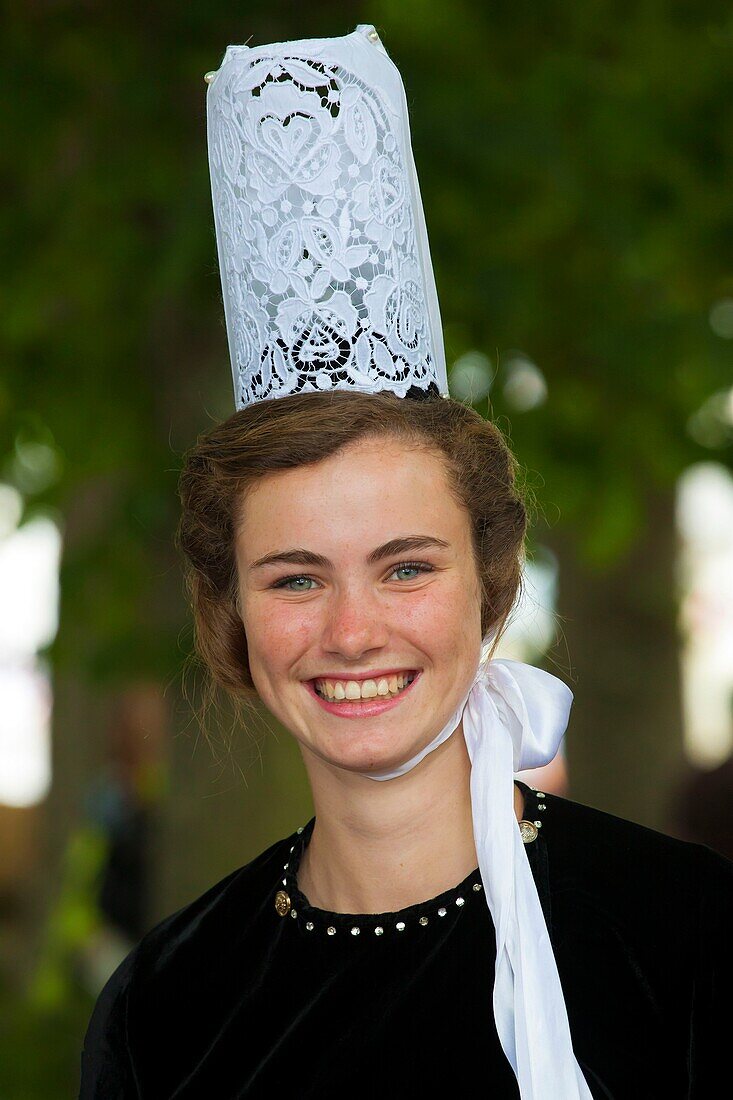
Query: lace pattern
[[320, 261]]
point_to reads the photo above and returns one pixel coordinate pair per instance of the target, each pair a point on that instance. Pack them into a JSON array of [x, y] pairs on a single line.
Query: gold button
[[282, 903], [529, 831]]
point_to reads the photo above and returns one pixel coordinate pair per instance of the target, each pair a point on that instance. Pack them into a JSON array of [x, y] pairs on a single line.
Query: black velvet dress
[[230, 997]]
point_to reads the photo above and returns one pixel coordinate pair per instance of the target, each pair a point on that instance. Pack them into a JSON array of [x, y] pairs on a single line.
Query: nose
[[356, 622]]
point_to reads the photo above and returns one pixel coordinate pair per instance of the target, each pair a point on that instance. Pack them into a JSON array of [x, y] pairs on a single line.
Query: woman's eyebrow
[[395, 547]]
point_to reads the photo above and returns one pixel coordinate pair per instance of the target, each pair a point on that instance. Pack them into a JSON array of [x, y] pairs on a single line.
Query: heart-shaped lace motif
[[286, 139], [387, 194]]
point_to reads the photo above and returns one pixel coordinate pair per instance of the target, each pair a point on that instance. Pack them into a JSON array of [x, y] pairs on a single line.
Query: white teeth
[[338, 690]]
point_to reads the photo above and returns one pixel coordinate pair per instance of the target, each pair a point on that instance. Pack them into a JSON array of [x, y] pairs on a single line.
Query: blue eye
[[289, 580], [420, 567], [410, 565]]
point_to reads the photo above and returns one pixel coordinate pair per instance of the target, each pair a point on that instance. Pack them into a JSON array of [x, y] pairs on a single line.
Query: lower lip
[[365, 708]]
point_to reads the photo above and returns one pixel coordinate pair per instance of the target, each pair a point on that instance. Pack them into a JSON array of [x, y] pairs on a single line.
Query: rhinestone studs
[[282, 903], [530, 829]]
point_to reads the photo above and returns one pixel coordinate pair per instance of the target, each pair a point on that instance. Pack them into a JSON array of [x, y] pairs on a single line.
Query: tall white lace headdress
[[323, 250], [327, 284]]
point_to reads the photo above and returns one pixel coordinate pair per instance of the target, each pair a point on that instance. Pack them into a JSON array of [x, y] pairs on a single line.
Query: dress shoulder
[[233, 901], [223, 916], [639, 924], [596, 844], [616, 879], [106, 1066]]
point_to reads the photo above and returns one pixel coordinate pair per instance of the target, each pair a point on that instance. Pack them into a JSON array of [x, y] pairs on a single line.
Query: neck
[[377, 847]]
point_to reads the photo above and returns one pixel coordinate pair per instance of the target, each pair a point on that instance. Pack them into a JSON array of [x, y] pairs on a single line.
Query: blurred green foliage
[[575, 164], [40, 1047], [40, 1030]]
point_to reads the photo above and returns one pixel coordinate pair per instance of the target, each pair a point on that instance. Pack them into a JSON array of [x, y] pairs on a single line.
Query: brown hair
[[300, 429]]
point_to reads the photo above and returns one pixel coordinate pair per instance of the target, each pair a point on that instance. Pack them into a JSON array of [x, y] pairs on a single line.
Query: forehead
[[354, 500]]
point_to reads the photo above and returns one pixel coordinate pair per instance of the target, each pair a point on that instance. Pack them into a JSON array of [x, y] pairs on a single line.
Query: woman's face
[[348, 606]]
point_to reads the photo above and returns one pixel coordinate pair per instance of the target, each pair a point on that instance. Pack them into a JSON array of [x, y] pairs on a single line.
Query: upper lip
[[378, 674]]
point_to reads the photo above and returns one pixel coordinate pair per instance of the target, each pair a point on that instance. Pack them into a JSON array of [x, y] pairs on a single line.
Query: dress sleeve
[[106, 1063], [709, 1057]]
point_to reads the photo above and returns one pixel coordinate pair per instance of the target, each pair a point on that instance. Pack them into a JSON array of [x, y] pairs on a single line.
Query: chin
[[364, 757]]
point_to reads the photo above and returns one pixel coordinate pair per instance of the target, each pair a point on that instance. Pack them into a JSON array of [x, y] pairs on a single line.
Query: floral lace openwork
[[320, 265]]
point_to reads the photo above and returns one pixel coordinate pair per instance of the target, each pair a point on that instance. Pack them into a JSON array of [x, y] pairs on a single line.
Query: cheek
[[277, 633], [442, 621]]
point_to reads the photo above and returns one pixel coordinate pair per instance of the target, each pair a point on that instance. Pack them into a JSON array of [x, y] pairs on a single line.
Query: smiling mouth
[[355, 691]]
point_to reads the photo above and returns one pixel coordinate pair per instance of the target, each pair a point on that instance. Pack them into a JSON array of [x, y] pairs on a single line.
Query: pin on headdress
[[327, 284], [323, 250]]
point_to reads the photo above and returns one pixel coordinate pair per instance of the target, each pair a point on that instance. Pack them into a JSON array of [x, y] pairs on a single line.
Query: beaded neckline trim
[[290, 902]]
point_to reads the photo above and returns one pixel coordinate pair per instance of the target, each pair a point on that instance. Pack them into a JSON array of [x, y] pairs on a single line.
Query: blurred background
[[575, 163]]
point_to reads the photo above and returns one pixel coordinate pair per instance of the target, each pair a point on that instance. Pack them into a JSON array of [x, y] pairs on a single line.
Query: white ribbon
[[514, 717]]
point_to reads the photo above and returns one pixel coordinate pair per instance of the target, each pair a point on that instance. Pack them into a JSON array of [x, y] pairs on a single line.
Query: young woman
[[353, 555], [349, 539]]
